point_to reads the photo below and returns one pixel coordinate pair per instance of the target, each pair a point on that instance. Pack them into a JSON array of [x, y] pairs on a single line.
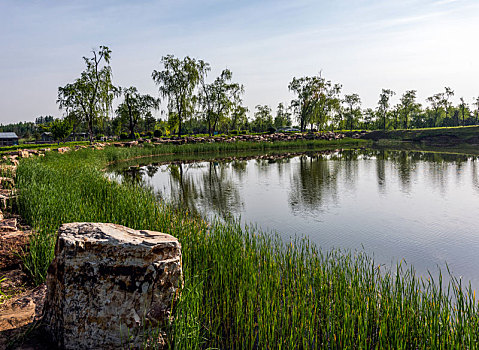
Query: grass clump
[[245, 289]]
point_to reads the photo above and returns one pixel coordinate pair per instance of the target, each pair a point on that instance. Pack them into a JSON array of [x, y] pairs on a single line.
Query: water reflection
[[397, 204], [314, 178], [314, 183]]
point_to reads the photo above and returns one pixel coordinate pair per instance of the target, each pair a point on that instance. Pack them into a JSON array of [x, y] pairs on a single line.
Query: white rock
[[109, 283]]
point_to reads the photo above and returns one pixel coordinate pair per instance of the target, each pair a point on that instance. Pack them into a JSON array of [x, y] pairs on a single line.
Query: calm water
[[420, 207]]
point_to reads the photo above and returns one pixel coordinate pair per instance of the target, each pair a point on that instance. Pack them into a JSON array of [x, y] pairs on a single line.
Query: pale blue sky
[[365, 45]]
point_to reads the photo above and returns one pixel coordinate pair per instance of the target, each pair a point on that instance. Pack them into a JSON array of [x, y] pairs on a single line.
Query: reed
[[247, 289]]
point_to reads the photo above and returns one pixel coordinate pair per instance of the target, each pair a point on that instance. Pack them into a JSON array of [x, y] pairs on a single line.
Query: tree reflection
[[133, 174], [315, 180], [314, 183], [218, 190]]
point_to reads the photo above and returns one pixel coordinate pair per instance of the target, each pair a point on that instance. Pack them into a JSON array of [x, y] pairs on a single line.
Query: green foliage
[[135, 108], [157, 133], [177, 82], [90, 97], [219, 99], [263, 120], [283, 116], [353, 113], [317, 98], [123, 136], [61, 129]]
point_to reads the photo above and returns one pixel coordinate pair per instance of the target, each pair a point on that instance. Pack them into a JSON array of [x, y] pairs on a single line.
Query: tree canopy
[[177, 82], [91, 95]]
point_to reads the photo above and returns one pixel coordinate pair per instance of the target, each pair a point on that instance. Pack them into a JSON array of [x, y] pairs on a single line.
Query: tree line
[[194, 104]]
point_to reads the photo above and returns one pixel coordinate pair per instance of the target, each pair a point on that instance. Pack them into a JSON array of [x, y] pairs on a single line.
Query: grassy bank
[[430, 136], [243, 288], [7, 149]]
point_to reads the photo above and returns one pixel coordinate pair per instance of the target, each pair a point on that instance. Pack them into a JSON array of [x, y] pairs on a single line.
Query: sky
[[365, 45]]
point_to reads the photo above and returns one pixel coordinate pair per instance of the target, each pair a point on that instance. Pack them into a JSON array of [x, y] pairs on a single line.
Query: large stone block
[[109, 284]]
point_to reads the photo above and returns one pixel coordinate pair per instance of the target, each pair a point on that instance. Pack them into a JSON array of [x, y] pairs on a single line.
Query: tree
[[150, 121], [395, 113], [316, 99], [91, 95], [218, 99], [369, 116], [303, 104], [262, 118], [353, 102], [61, 129], [135, 108], [383, 104], [408, 104], [445, 99], [177, 82], [463, 106], [44, 120], [283, 117], [476, 104], [326, 100], [238, 118], [436, 102]]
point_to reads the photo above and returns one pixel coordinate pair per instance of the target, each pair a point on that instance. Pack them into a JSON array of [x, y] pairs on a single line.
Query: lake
[[396, 205]]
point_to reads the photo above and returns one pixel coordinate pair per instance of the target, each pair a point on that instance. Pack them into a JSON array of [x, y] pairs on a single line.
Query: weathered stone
[[109, 284], [63, 149], [8, 225], [23, 153]]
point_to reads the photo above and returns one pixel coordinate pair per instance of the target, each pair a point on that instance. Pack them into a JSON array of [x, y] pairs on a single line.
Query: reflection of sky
[[396, 205]]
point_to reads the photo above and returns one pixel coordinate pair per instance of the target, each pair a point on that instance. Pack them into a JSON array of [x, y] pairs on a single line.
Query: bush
[[158, 133], [243, 132], [123, 136], [137, 136], [149, 134], [99, 137], [271, 130]]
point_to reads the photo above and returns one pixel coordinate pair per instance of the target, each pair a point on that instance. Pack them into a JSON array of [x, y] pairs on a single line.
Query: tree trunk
[[90, 129]]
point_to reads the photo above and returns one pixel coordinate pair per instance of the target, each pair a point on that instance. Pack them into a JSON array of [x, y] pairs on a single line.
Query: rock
[[109, 283], [22, 309], [6, 182], [11, 246], [8, 225], [63, 149], [22, 153]]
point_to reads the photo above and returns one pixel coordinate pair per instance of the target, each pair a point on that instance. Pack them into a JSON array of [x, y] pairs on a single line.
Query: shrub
[[271, 130], [99, 137], [123, 136], [137, 135], [158, 133]]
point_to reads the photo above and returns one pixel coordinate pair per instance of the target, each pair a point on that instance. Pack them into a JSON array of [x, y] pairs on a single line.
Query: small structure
[[109, 286], [46, 136], [78, 136], [8, 139]]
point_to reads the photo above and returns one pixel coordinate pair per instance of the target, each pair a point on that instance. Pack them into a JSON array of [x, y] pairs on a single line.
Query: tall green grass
[[245, 289]]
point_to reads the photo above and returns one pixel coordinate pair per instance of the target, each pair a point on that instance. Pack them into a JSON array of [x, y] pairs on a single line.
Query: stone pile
[[250, 138], [10, 235], [108, 285]]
